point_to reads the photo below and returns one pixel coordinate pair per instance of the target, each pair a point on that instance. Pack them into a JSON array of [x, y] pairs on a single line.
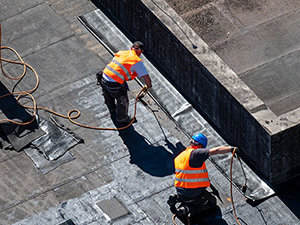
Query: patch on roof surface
[[112, 208]]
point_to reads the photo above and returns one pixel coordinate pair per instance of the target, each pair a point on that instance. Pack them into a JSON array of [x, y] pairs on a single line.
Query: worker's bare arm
[[220, 150], [147, 81]]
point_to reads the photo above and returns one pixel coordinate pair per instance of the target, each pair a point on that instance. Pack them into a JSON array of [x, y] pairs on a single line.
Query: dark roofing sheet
[[107, 165], [178, 108]]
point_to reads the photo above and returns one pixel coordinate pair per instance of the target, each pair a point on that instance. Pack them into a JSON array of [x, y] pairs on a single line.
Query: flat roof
[[130, 169]]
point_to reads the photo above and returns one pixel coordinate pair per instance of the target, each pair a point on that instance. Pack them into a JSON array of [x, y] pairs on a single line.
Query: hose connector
[[145, 88], [244, 188], [143, 92]]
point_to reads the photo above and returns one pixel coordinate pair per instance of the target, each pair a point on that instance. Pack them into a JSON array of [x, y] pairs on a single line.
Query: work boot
[[183, 210], [172, 199]]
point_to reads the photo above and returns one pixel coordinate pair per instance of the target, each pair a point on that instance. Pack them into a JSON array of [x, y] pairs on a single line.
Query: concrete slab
[[276, 83], [260, 44], [56, 68], [10, 8], [7, 154], [29, 30], [254, 12]]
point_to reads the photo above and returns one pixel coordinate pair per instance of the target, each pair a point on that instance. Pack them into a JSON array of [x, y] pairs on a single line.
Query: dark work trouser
[[204, 202], [115, 92]]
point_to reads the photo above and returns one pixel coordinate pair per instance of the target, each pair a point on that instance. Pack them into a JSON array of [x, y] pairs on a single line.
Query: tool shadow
[[154, 160]]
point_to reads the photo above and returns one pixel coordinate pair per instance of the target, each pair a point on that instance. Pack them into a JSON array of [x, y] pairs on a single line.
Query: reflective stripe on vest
[[192, 180], [186, 176], [191, 171], [119, 68], [117, 73]]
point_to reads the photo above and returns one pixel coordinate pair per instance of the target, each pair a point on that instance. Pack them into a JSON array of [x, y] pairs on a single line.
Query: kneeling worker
[[191, 177], [125, 66]]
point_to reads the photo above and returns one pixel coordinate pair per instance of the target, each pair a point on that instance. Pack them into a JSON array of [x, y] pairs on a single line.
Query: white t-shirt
[[139, 68]]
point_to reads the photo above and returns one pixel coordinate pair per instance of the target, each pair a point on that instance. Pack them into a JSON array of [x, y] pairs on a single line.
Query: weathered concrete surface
[[258, 40], [246, 102]]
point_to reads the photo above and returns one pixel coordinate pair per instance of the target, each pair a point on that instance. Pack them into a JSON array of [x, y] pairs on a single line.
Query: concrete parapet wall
[[210, 86], [285, 154]]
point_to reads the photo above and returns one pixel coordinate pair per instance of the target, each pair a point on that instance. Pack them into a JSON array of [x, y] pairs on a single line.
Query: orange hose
[[231, 196], [174, 222]]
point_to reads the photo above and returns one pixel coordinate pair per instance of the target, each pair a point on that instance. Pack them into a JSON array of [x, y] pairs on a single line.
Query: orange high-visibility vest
[[119, 68], [186, 176]]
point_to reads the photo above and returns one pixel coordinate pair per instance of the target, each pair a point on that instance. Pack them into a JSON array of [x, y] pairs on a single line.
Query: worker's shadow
[[159, 161], [152, 159]]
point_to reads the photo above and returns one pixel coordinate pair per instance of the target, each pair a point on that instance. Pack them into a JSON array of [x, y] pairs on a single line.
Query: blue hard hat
[[200, 138]]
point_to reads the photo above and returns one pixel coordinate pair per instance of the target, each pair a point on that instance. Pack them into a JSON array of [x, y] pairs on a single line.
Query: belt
[[113, 86], [110, 83]]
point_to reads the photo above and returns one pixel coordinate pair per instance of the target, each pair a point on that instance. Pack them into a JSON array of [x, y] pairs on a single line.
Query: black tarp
[[57, 139], [51, 150]]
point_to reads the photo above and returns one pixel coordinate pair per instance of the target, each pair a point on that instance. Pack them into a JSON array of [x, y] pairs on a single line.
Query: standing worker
[[191, 177], [125, 66]]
